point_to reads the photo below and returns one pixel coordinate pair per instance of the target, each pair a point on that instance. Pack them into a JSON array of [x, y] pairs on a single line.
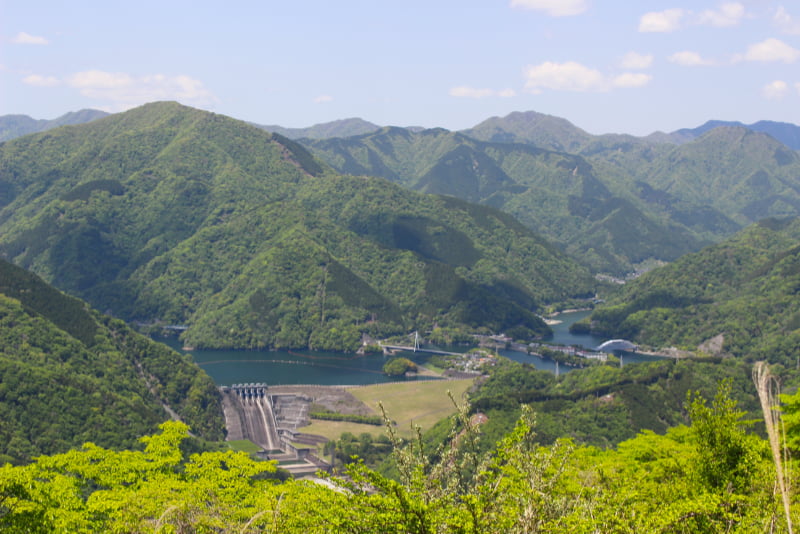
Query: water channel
[[228, 367]]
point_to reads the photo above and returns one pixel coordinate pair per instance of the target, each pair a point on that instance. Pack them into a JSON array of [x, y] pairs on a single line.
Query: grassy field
[[244, 445], [421, 403]]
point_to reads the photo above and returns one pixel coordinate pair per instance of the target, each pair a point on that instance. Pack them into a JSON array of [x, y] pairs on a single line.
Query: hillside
[[712, 180], [12, 126], [745, 174], [605, 405], [563, 196], [69, 375], [170, 214], [744, 290]]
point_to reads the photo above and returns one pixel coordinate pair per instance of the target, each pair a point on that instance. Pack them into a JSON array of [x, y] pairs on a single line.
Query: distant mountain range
[[614, 201], [558, 194], [169, 213], [12, 126], [340, 128], [786, 133], [543, 131]]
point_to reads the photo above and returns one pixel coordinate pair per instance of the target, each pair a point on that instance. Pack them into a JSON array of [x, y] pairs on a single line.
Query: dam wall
[[250, 414]]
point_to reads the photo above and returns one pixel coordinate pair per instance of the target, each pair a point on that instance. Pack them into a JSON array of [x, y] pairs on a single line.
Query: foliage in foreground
[[713, 476]]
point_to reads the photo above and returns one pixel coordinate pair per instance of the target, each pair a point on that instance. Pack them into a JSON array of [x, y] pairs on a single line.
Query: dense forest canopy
[[69, 374], [743, 292]]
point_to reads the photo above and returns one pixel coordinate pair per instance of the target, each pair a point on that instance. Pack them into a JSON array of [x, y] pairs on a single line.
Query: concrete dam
[[271, 421]]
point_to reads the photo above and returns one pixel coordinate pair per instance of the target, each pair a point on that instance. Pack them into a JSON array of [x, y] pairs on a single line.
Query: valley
[[280, 258]]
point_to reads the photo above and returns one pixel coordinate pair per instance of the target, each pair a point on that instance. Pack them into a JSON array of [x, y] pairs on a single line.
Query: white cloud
[[471, 92], [26, 38], [786, 22], [126, 91], [321, 99], [634, 60], [689, 59], [98, 80], [665, 21], [41, 81], [569, 76], [555, 8], [770, 50], [572, 76], [629, 80], [775, 90], [670, 20], [729, 14]]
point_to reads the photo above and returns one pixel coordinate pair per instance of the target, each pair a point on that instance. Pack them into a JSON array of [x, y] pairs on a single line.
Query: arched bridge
[[616, 344]]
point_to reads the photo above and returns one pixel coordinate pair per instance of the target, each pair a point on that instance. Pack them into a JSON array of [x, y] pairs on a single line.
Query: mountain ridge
[[529, 127]]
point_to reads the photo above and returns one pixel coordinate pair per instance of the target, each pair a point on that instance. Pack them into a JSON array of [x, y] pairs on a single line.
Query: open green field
[[421, 403], [244, 445]]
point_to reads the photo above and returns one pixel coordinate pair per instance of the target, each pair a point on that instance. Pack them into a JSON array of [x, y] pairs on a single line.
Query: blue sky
[[605, 65]]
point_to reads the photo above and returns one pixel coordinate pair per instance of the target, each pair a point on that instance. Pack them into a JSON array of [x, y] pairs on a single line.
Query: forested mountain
[[531, 128], [744, 174], [554, 193], [611, 200], [70, 375], [12, 126], [340, 128], [741, 293], [173, 214]]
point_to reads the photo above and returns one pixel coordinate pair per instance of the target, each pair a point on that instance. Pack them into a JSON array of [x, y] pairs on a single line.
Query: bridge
[[616, 344], [418, 349]]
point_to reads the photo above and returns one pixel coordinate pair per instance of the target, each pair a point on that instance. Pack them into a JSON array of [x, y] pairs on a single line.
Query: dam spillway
[[250, 414]]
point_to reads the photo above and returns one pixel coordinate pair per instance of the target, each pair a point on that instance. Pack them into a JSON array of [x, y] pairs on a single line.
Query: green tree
[[399, 366]]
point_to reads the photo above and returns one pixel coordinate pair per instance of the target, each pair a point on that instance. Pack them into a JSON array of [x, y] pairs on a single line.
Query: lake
[[276, 367]]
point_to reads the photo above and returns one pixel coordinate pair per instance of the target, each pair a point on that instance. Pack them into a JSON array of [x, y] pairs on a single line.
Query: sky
[[607, 66]]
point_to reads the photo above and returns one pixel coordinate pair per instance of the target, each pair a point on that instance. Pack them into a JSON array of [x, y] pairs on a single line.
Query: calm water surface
[[277, 367], [273, 367]]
